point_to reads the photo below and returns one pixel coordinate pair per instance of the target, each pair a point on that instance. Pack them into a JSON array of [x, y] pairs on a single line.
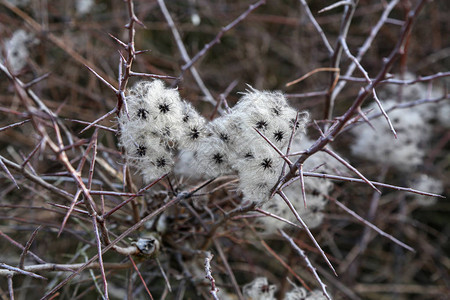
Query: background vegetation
[[51, 161]]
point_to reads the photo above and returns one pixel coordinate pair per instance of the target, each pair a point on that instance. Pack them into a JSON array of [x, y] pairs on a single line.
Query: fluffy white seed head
[[193, 127], [212, 157], [84, 6], [259, 167], [312, 215], [154, 103], [443, 114], [152, 128], [270, 114], [426, 183], [228, 129], [16, 49], [404, 153], [415, 91], [160, 124], [260, 289], [316, 295], [264, 99], [148, 155], [297, 293], [186, 165], [316, 190]]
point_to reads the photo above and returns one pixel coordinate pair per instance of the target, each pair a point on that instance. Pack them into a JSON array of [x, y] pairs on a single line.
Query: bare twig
[[184, 54], [140, 277], [222, 31], [228, 268], [20, 246], [106, 215], [136, 226], [105, 116], [350, 167], [317, 27], [27, 247], [308, 263], [302, 183], [366, 45], [166, 279], [347, 17], [10, 287], [337, 126], [20, 271], [48, 267], [13, 125], [282, 155], [350, 179], [307, 95], [209, 276], [2, 164], [100, 257], [311, 73], [305, 227], [334, 5], [277, 217], [278, 258], [370, 225]]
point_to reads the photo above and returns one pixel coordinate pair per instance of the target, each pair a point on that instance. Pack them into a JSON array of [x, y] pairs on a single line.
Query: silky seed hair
[[150, 131], [212, 157], [316, 189], [260, 289], [161, 125], [193, 127]]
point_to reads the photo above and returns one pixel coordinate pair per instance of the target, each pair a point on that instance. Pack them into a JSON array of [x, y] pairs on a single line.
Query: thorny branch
[[340, 122], [308, 262], [206, 221], [209, 276], [184, 53]]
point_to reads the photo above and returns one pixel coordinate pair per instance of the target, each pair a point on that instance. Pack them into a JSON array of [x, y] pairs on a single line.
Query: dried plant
[[259, 150]]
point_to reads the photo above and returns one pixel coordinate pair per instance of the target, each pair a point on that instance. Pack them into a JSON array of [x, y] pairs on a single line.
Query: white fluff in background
[[16, 49]]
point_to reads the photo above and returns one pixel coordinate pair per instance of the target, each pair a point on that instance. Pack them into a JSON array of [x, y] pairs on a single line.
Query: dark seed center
[[218, 158], [164, 108], [278, 135], [261, 125], [142, 113], [141, 150], [194, 133], [161, 162], [266, 163]]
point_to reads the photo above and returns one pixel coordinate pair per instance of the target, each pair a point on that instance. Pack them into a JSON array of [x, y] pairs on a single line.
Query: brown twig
[[20, 271], [27, 247], [347, 17], [366, 45], [175, 200], [219, 35], [214, 290], [140, 277], [370, 225], [184, 54], [317, 27], [308, 263], [336, 128], [350, 167], [305, 227]]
